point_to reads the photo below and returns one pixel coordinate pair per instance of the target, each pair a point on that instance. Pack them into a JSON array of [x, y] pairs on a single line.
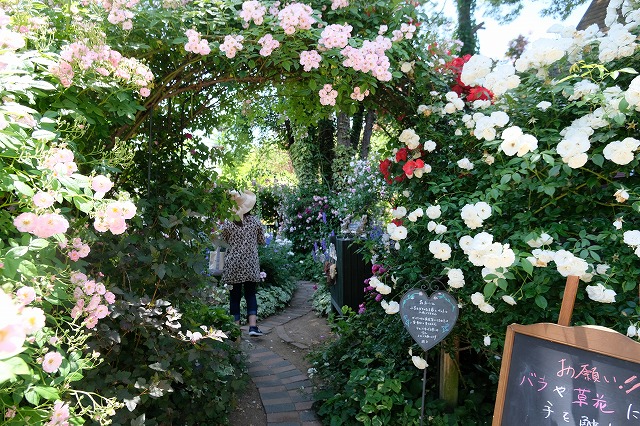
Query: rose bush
[[518, 188]]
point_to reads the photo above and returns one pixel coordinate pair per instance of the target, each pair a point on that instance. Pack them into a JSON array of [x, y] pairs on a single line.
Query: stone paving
[[286, 392]]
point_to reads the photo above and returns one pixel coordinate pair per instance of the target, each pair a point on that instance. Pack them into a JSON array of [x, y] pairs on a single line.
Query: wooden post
[[449, 376], [568, 300]]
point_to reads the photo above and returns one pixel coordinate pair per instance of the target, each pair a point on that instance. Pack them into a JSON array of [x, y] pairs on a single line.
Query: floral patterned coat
[[242, 264]]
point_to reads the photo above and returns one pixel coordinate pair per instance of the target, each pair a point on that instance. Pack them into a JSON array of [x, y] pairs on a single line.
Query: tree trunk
[[326, 144], [369, 120], [342, 132], [356, 130], [466, 33]]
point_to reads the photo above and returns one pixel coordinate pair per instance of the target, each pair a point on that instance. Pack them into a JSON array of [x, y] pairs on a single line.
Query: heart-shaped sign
[[428, 319]]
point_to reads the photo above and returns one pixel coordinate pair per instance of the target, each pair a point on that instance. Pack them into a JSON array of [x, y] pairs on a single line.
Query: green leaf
[[598, 160], [505, 179], [527, 266], [32, 396], [83, 204], [13, 367], [38, 244], [541, 301], [43, 135], [160, 270], [47, 392], [313, 85], [636, 206], [23, 188]]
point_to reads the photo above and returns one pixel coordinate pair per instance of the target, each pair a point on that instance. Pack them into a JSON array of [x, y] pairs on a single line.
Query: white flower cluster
[[515, 142], [501, 79], [456, 278], [617, 43], [543, 52], [379, 286], [583, 89], [440, 250], [483, 251], [574, 146], [396, 232], [390, 307], [632, 95], [465, 164], [632, 239], [454, 103], [474, 214], [621, 152], [543, 240], [485, 125], [569, 264], [475, 70], [478, 300], [600, 293], [409, 138], [415, 215], [436, 228]]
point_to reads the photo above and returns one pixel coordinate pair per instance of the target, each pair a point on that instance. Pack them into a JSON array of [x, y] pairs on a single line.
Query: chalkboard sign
[[556, 375], [428, 319]]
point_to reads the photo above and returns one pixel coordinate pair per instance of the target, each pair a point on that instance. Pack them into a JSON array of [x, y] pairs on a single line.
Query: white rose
[[434, 212], [600, 293], [477, 298], [390, 308], [486, 308], [508, 299], [487, 340], [419, 362], [632, 238]]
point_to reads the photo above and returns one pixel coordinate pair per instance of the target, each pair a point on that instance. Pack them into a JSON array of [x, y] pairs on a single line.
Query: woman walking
[[242, 264]]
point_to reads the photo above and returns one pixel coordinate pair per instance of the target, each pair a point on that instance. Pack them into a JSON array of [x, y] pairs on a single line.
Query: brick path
[[285, 391]]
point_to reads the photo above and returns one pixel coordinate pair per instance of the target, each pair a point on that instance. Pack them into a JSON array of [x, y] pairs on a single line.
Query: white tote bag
[[216, 260]]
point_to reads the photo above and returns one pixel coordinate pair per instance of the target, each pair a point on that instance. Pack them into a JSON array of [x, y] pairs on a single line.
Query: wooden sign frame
[[589, 338]]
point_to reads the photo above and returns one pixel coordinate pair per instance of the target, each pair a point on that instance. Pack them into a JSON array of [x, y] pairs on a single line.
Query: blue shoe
[[255, 331]]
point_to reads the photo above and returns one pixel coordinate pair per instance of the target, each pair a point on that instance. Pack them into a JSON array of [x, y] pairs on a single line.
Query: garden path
[[278, 367]]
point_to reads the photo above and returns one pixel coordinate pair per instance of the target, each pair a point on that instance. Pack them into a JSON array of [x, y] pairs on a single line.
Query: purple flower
[[378, 297], [361, 309]]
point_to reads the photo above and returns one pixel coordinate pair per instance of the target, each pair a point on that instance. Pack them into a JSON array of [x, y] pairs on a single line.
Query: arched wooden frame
[[595, 339]]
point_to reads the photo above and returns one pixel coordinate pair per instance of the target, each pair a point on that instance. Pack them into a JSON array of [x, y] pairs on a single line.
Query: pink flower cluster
[[296, 16], [60, 415], [405, 31], [196, 44], [18, 320], [60, 161], [42, 226], [357, 95], [101, 185], [268, 44], [328, 95], [90, 300], [112, 216], [335, 36], [253, 10], [310, 59], [339, 4], [77, 250], [102, 60], [370, 58], [231, 45], [119, 11]]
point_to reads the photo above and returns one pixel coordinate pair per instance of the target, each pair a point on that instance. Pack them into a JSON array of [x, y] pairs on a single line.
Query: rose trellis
[[514, 176]]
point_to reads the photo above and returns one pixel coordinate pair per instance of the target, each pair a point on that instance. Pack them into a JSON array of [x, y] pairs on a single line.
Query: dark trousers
[[249, 297]]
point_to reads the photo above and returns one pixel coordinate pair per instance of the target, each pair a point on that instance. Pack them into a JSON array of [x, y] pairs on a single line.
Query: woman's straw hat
[[245, 201]]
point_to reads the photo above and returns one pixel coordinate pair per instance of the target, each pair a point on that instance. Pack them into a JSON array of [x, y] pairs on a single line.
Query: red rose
[[401, 155], [479, 93], [384, 167]]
